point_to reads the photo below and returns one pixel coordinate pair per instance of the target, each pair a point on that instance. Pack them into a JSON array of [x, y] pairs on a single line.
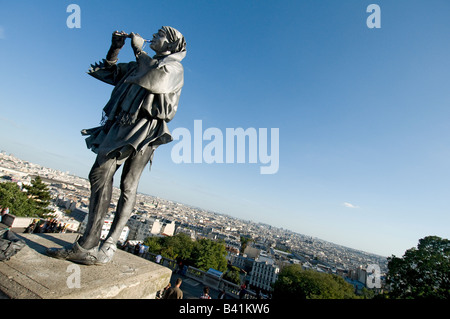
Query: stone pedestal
[[31, 274]]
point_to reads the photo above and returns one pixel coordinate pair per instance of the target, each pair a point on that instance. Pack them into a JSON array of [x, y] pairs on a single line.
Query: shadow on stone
[[32, 241]]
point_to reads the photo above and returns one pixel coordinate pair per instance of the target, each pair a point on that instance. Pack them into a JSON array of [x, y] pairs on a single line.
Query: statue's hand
[[136, 42], [118, 40]]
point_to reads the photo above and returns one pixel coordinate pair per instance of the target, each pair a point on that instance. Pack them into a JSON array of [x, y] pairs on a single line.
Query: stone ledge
[[31, 274]]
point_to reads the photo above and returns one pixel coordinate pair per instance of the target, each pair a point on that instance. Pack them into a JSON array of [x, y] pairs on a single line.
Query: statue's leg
[[132, 171], [101, 180], [85, 250]]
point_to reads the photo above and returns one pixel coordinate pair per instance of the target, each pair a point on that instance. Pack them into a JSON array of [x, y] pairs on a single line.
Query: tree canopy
[[38, 191], [209, 254], [296, 283], [202, 254], [233, 275], [422, 272], [30, 203], [245, 240]]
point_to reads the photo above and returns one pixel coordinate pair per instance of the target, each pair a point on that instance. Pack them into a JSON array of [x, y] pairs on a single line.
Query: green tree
[[244, 243], [422, 272], [202, 254], [295, 283], [18, 202], [209, 254], [183, 246], [233, 275], [40, 193], [175, 247], [154, 245], [368, 293], [24, 204]]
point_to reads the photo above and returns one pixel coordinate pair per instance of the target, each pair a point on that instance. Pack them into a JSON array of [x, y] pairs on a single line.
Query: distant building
[[191, 233], [105, 229], [168, 228], [264, 273], [142, 227], [232, 245], [66, 203], [252, 252], [107, 226], [243, 262], [79, 215], [362, 275]]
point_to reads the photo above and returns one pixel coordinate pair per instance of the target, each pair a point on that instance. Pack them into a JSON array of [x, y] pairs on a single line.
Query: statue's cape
[[165, 76], [144, 99]]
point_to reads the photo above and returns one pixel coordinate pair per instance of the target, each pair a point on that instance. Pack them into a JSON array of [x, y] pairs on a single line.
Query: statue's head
[[168, 40]]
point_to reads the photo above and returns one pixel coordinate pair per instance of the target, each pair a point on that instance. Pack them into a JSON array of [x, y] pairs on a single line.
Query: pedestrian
[[242, 292], [175, 292], [126, 246], [31, 227], [205, 293], [161, 293], [4, 212], [221, 294], [51, 226], [42, 227], [180, 267], [37, 226], [136, 248], [141, 250], [46, 226]]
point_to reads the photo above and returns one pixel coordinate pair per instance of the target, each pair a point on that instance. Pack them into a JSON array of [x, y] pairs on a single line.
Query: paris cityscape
[[155, 216]]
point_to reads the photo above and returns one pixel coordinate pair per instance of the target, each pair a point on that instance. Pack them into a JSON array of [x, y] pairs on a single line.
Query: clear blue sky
[[363, 114]]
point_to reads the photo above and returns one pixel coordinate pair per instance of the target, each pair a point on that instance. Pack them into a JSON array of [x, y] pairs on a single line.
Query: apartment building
[[264, 272]]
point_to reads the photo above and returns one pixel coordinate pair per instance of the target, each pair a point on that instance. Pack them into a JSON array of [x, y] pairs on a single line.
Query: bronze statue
[[144, 99]]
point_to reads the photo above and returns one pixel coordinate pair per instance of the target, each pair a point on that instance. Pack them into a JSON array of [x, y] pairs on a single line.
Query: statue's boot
[[75, 253], [106, 252]]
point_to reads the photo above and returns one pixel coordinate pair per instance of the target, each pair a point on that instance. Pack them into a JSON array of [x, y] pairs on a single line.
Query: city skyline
[[362, 113], [71, 192]]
